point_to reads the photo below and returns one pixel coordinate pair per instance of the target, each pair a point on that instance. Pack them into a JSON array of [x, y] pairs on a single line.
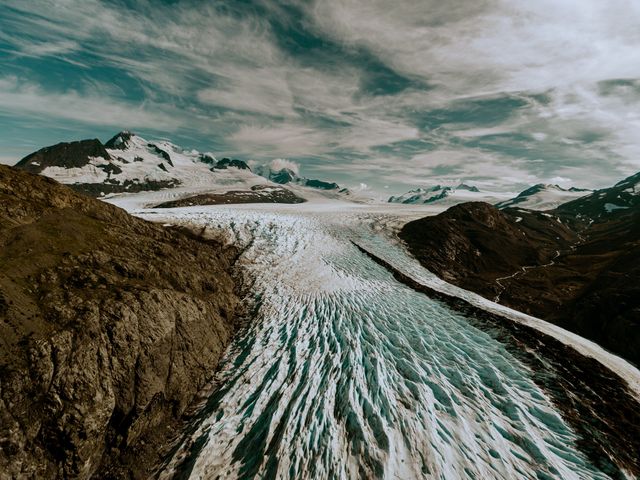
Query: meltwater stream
[[344, 372]]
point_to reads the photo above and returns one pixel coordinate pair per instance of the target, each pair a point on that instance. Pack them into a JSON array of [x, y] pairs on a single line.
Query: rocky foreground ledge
[[109, 327]]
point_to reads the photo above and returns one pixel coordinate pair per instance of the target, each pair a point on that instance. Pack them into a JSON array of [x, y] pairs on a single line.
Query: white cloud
[[470, 48], [19, 96], [215, 72], [278, 164], [278, 141]]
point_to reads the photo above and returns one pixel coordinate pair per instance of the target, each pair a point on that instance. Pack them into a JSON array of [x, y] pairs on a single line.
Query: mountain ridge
[[543, 197], [109, 327], [128, 163], [576, 265]]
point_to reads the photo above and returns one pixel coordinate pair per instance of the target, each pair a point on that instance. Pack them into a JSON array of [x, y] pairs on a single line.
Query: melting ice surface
[[346, 373]]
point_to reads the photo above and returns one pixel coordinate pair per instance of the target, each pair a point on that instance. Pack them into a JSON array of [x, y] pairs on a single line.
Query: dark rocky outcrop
[[322, 185], [576, 266], [158, 151], [111, 168], [66, 155], [109, 326], [472, 244], [116, 186], [283, 176], [208, 159], [257, 194], [119, 141], [598, 206], [227, 162]]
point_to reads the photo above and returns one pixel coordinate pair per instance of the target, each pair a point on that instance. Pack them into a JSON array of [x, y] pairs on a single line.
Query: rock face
[[472, 244], [321, 185], [257, 194], [601, 204], [235, 163], [109, 326], [576, 266], [65, 155], [283, 176]]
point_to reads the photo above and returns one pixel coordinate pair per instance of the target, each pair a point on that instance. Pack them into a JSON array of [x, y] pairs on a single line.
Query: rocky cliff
[[109, 326], [576, 266]]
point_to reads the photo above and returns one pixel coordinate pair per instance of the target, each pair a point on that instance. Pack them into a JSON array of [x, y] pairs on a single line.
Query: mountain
[[601, 204], [109, 327], [444, 195], [129, 163], [285, 176], [235, 163], [66, 155], [543, 197], [282, 176], [576, 265]]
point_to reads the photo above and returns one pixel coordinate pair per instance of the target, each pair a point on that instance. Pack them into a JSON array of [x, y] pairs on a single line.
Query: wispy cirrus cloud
[[24, 98]]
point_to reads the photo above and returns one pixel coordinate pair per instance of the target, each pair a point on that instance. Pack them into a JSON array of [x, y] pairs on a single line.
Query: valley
[[360, 348]]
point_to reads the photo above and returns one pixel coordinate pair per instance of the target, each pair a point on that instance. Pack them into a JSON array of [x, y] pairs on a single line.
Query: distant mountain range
[[537, 197], [286, 176], [129, 163], [544, 197], [576, 265], [443, 194]]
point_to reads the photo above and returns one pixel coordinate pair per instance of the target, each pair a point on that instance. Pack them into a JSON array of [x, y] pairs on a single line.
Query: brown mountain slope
[[554, 265], [109, 326]]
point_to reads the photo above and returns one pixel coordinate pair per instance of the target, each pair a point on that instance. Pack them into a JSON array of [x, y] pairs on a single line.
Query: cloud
[[19, 96], [278, 164], [283, 140], [487, 46], [426, 91]]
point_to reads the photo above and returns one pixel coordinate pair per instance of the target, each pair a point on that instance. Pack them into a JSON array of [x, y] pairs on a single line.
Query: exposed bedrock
[[109, 327]]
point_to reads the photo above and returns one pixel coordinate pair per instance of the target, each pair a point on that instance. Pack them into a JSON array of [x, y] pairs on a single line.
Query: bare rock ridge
[[109, 326], [66, 155], [257, 194], [576, 266]]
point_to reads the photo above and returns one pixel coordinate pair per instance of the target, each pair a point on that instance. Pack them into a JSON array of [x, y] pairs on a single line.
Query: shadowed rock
[[66, 155], [109, 326]]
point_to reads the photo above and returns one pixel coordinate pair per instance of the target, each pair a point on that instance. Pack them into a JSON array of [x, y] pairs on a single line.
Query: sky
[[391, 94]]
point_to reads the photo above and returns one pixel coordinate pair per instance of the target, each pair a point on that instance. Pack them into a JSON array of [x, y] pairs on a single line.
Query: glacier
[[345, 372]]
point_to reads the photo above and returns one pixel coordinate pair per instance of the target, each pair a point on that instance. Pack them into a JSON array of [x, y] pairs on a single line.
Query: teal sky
[[503, 94]]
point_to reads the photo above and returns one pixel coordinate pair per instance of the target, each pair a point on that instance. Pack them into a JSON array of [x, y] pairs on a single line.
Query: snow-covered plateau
[[345, 372]]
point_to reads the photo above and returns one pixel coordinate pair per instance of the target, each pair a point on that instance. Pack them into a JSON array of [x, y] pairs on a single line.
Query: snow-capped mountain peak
[[449, 195], [543, 197], [129, 163], [120, 141], [284, 176]]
